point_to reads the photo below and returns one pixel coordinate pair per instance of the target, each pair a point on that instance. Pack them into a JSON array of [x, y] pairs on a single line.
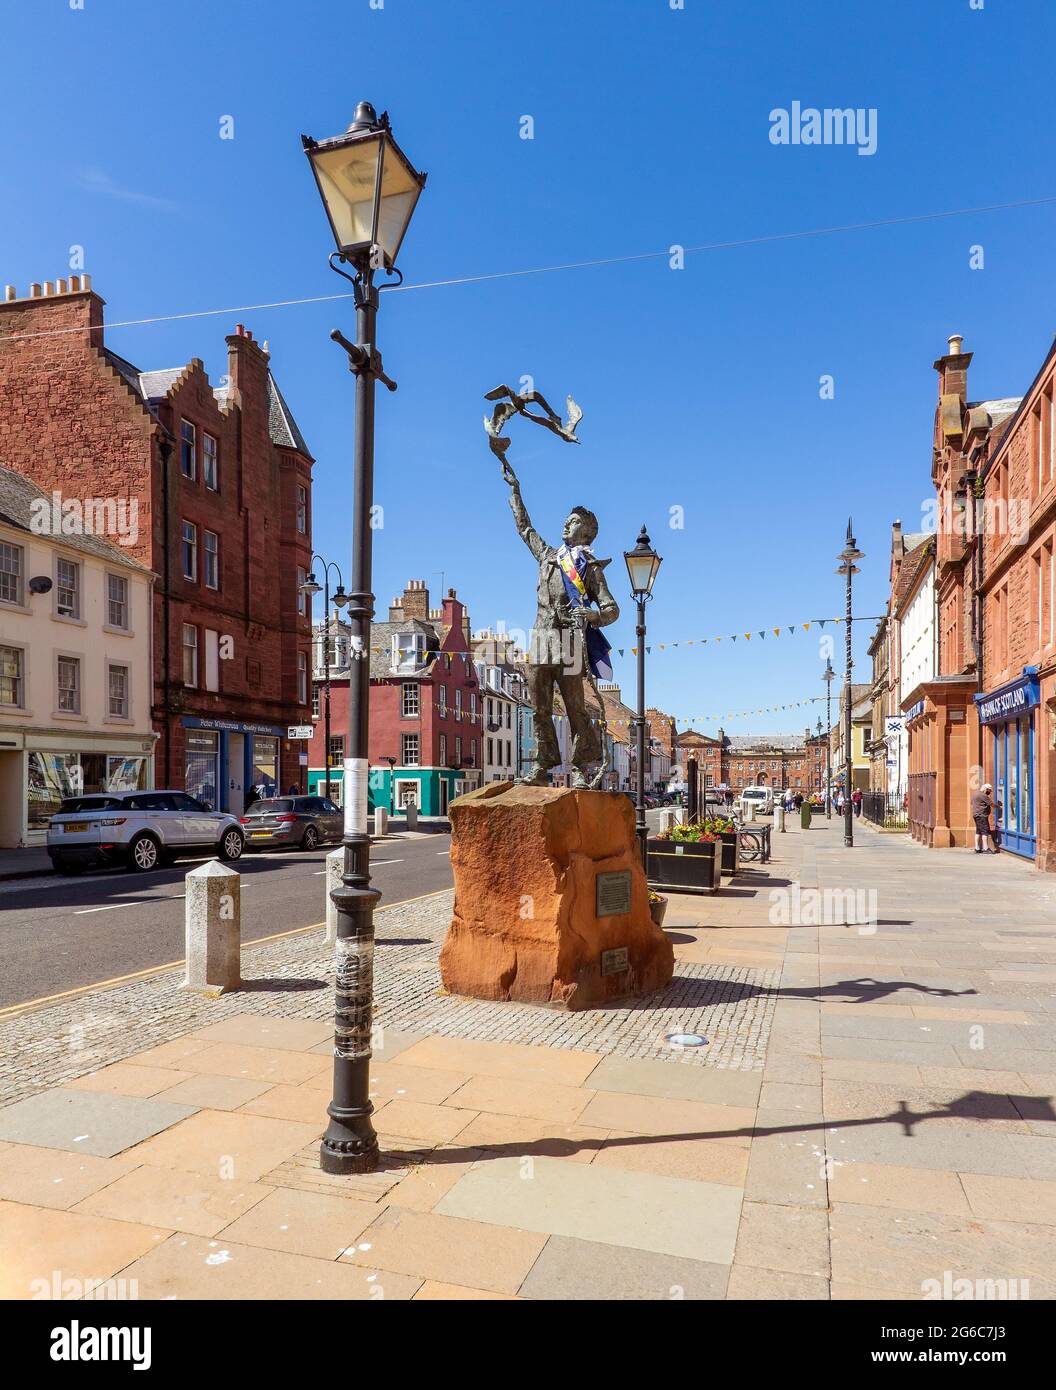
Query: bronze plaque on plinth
[[613, 894]]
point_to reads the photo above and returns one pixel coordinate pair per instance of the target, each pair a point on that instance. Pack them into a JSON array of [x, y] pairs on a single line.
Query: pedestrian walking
[[982, 810], [856, 800]]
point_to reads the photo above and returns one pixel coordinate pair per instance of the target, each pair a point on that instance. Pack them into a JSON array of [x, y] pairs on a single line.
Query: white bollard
[[748, 812], [213, 929], [335, 863], [779, 817], [381, 822], [412, 816]]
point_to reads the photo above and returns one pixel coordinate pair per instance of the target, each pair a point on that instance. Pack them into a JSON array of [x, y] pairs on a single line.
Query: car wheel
[[144, 854], [231, 844], [310, 838]]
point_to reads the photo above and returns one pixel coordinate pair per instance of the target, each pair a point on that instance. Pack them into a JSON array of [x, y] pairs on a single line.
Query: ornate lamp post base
[[350, 1144]]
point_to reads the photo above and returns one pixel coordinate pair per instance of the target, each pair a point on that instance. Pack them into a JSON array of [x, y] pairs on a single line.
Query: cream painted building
[[918, 638], [75, 666]]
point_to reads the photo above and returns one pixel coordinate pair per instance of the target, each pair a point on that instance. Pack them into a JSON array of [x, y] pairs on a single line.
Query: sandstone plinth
[[525, 926]]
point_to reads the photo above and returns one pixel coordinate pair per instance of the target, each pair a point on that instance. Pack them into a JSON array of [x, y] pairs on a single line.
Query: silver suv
[[140, 829]]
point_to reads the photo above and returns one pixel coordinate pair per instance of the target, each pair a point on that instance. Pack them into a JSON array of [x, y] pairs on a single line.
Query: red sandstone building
[[426, 730], [790, 762], [220, 483], [989, 715]]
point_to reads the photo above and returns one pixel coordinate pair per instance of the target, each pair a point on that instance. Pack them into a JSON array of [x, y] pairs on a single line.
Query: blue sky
[[700, 387]]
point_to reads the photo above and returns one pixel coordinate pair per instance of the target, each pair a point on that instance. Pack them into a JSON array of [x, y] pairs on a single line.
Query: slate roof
[[17, 494], [381, 647], [281, 423], [152, 387]]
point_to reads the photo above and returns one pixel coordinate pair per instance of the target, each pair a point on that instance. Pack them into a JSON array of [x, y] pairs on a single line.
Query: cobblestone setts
[[731, 1005]]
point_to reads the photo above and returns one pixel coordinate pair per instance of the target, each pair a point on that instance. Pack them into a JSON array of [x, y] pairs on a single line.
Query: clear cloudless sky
[[700, 386]]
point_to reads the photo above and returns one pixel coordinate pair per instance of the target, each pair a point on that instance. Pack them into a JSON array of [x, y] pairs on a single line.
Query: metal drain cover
[[687, 1040]]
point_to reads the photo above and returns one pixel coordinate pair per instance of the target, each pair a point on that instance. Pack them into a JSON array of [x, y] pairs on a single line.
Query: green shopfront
[[1009, 717], [431, 789]]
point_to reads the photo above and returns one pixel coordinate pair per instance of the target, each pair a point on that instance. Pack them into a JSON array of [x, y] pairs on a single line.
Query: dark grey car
[[302, 821]]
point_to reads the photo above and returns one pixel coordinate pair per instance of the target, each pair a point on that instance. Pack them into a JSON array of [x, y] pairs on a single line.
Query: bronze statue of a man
[[567, 649]]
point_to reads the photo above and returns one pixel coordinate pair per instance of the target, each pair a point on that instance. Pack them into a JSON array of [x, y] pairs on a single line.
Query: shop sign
[[231, 726], [1011, 700]]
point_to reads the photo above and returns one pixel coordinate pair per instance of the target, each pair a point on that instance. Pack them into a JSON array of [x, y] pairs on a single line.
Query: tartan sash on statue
[[573, 561]]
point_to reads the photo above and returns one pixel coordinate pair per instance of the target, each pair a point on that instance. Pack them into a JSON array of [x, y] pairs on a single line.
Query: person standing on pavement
[[856, 800], [982, 809]]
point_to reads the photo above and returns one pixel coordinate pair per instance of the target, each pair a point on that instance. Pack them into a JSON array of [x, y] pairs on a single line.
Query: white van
[[762, 798]]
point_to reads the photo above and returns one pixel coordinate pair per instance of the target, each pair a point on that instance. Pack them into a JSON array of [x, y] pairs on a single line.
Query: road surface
[[58, 934]]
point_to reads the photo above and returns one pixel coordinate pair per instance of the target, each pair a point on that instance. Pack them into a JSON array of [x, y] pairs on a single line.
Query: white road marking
[[111, 907], [443, 851]]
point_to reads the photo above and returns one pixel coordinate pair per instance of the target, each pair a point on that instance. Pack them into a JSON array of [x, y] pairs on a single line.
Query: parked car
[[304, 821], [141, 829], [762, 798]]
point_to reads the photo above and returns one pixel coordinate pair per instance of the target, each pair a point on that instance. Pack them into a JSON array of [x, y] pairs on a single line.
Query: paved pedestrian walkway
[[872, 1112], [28, 862]]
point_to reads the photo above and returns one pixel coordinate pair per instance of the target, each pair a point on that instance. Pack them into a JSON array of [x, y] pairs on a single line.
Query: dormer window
[[408, 651]]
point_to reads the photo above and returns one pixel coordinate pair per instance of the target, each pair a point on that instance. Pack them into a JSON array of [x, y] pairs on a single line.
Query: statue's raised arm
[[566, 652]]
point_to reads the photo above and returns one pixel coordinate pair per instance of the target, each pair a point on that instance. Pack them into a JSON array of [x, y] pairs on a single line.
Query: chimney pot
[[240, 332], [34, 291], [955, 341], [75, 284], [10, 292], [86, 282], [60, 286], [47, 287]]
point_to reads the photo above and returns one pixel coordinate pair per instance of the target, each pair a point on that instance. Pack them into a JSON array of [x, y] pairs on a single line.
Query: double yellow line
[[46, 999]]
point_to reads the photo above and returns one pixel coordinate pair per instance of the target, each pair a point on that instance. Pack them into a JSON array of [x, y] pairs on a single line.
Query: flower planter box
[[684, 867], [731, 854]]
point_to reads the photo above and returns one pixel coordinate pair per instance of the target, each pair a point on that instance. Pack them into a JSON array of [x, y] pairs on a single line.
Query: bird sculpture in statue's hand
[[511, 404]]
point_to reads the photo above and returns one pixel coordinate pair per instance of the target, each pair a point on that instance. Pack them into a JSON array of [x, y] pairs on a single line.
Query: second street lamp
[[828, 676], [847, 557], [642, 566], [369, 190], [311, 587]]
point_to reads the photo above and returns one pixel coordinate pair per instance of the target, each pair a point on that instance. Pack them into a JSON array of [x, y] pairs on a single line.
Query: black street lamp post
[[847, 567], [642, 566], [369, 190], [828, 676], [818, 732], [311, 587]]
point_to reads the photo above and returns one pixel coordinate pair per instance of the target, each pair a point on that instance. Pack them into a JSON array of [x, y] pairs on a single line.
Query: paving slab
[[190, 1267], [180, 1201], [53, 1178], [43, 1250], [302, 1223], [224, 1144], [771, 1285], [447, 1248], [128, 1079], [92, 1122], [779, 1236], [669, 1216], [286, 1034], [570, 1269], [643, 1076]]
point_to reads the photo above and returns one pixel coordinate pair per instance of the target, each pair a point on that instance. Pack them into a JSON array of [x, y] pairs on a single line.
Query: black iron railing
[[885, 810]]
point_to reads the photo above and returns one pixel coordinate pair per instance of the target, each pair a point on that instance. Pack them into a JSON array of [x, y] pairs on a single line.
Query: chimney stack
[[415, 601]]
